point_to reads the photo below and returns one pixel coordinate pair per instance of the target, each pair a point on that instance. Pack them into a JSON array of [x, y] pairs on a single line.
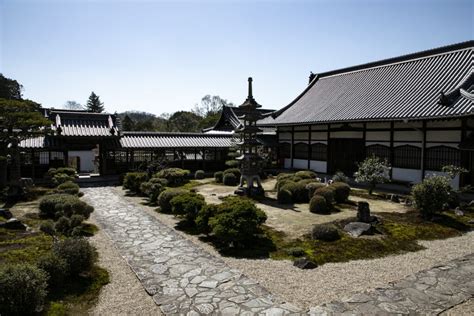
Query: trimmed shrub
[[203, 216], [431, 196], [55, 267], [318, 205], [78, 254], [295, 251], [199, 174], [341, 191], [47, 227], [229, 179], [22, 289], [235, 171], [306, 174], [282, 176], [66, 170], [325, 232], [68, 187], [187, 205], [313, 186], [300, 193], [165, 197], [339, 176], [281, 183], [57, 205], [153, 188], [133, 180], [218, 176], [76, 220], [175, 176], [63, 225], [285, 197], [232, 163], [60, 178], [237, 222], [327, 192]]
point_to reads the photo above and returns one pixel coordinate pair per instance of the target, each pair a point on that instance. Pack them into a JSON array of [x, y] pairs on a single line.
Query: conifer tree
[[94, 104]]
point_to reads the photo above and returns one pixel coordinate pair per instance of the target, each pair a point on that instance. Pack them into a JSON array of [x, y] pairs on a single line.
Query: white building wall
[[287, 163], [300, 163], [413, 175], [318, 166], [86, 159]]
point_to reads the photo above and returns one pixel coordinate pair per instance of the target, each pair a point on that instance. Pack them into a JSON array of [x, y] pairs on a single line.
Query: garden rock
[[5, 213], [304, 263], [13, 223], [356, 229], [458, 211], [395, 198], [363, 212]]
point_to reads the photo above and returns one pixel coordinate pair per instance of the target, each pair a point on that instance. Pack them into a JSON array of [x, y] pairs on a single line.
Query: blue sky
[[159, 56]]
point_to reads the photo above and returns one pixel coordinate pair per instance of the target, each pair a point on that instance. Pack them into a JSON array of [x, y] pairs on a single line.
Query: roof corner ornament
[[443, 99], [112, 131], [311, 77], [250, 88]]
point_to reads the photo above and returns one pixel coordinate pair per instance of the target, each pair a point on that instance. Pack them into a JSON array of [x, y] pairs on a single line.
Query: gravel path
[[124, 295]]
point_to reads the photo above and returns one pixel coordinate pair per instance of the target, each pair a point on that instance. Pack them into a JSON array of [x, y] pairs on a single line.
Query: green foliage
[[63, 225], [237, 222], [68, 187], [282, 176], [326, 192], [47, 227], [313, 186], [57, 205], [66, 170], [203, 216], [373, 171], [218, 176], [235, 171], [10, 88], [61, 178], [232, 163], [453, 170], [174, 176], [153, 188], [285, 196], [431, 196], [187, 205], [318, 205], [184, 121], [325, 232], [339, 176], [341, 191], [306, 174], [230, 179], [199, 174], [165, 197], [55, 267], [282, 182], [22, 289], [78, 254], [94, 104], [295, 251], [133, 180]]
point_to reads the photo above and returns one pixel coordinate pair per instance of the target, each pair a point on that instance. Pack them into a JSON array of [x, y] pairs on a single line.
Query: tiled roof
[[81, 123], [229, 119], [174, 140], [406, 87]]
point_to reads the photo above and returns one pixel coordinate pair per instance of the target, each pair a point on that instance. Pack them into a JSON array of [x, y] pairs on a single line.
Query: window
[[381, 151], [301, 151], [407, 156], [439, 156], [285, 150], [319, 151]]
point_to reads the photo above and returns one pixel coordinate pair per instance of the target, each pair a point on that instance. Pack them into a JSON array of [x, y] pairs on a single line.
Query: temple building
[[415, 110]]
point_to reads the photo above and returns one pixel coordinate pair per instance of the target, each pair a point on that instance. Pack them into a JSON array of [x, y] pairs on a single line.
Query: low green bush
[[318, 205], [339, 176], [295, 251], [57, 205], [199, 174], [282, 182], [282, 176], [175, 176], [325, 232], [232, 163], [431, 196], [235, 171], [22, 289], [341, 191], [133, 180], [55, 267], [68, 187], [327, 192], [153, 188], [285, 196], [203, 216], [313, 186], [63, 225], [230, 179], [65, 170], [187, 205], [61, 178], [165, 197], [76, 220], [306, 174], [218, 176], [78, 254], [47, 227]]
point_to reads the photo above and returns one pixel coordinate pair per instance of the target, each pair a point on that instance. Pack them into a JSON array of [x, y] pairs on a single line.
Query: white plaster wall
[[320, 141], [405, 143], [413, 175], [284, 136], [373, 136], [300, 163], [443, 136], [287, 163], [454, 182], [408, 124], [455, 123], [346, 135], [301, 135], [323, 127], [379, 143], [319, 135], [318, 166], [407, 136], [428, 145], [86, 159]]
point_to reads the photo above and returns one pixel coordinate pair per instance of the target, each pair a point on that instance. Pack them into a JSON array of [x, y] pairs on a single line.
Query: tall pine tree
[[94, 104]]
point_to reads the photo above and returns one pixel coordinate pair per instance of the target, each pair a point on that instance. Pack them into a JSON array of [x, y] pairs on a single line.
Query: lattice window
[[407, 156], [439, 156], [381, 151], [285, 150], [301, 151], [141, 155], [319, 151]]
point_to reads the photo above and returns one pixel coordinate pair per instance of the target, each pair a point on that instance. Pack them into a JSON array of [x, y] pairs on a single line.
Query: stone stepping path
[[182, 277], [428, 292]]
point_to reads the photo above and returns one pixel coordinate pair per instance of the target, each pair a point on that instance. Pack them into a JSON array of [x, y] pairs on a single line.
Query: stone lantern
[[250, 161]]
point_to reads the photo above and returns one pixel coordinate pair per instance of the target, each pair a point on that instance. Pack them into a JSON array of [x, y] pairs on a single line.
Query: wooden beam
[[292, 151], [423, 152], [392, 153], [309, 148]]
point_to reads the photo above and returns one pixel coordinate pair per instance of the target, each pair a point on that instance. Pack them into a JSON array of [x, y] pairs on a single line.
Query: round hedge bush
[[68, 187], [187, 205], [203, 216], [133, 180], [341, 191], [153, 188], [313, 186], [285, 196], [235, 171], [57, 205], [229, 179], [22, 289], [78, 254], [325, 232], [327, 192], [56, 268], [165, 197], [306, 174], [199, 174], [218, 176], [175, 176], [318, 205]]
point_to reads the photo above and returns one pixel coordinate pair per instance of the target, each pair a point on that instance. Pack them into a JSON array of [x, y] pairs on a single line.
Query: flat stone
[[14, 224], [209, 284], [205, 309], [356, 229], [197, 279], [191, 291]]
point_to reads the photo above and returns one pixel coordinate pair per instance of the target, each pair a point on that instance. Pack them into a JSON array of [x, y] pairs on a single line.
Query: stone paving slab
[[427, 292], [182, 277]]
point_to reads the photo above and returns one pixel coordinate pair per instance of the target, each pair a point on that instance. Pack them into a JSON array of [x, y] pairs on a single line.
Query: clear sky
[[159, 56]]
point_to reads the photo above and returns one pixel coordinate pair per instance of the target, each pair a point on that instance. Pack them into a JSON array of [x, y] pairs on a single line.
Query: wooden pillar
[[392, 151], [364, 137], [423, 152], [292, 149], [328, 154], [309, 147], [32, 159], [278, 148], [464, 156]]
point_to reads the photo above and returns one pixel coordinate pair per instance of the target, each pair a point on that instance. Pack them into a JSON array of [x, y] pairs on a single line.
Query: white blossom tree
[[373, 171]]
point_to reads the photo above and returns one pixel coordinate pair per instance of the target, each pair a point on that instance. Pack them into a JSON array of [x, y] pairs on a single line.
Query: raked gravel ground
[[332, 281]]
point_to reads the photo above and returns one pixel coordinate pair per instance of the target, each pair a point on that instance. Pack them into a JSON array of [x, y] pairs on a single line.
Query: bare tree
[[73, 105]]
